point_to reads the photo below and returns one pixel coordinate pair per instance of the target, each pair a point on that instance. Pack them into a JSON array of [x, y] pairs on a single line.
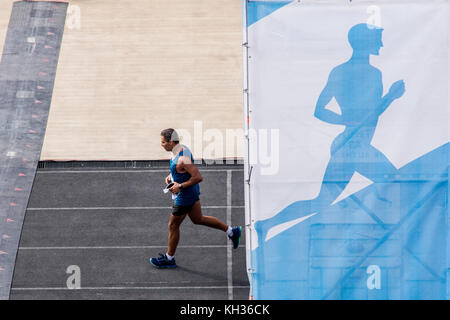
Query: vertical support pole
[[247, 164]]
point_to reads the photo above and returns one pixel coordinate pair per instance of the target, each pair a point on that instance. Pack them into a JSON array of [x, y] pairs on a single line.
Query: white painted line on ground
[[126, 208], [122, 247], [98, 208], [129, 171], [127, 288], [229, 247]]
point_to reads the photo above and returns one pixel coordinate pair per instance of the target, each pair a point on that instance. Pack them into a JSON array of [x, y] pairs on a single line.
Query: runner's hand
[[175, 188], [168, 180]]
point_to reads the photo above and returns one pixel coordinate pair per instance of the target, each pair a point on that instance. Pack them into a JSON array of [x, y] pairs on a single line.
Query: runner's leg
[[174, 233], [198, 218]]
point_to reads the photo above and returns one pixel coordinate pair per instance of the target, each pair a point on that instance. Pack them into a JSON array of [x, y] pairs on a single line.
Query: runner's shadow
[[205, 275]]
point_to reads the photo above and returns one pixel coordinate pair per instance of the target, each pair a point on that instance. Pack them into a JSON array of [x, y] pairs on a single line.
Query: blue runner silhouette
[[357, 87]]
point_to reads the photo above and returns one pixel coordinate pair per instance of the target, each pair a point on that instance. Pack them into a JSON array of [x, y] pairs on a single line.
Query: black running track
[[108, 221], [99, 223]]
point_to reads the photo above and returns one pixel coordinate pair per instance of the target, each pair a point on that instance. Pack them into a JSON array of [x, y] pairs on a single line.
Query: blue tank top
[[186, 196]]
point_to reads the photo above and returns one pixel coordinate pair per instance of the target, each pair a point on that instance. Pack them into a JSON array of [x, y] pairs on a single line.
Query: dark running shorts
[[179, 210]]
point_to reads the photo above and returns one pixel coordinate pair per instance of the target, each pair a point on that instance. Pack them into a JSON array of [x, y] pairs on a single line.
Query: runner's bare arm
[[185, 165], [196, 176]]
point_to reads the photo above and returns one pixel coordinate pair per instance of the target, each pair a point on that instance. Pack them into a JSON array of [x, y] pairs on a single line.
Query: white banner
[[348, 136]]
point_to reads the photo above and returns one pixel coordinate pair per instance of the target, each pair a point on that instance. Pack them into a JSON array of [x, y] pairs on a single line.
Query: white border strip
[[127, 171], [229, 248], [123, 247], [125, 288], [127, 208]]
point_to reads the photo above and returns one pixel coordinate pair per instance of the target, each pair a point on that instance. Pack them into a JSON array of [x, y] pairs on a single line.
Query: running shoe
[[163, 262], [236, 237]]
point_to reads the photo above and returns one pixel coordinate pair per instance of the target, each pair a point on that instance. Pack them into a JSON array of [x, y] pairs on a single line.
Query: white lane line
[[128, 171], [121, 247], [126, 208], [229, 248], [126, 288]]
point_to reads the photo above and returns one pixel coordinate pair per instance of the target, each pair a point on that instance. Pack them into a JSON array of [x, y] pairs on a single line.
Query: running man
[[357, 87], [186, 177]]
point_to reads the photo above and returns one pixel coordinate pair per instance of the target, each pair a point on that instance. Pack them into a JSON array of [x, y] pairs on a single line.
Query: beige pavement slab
[[130, 68]]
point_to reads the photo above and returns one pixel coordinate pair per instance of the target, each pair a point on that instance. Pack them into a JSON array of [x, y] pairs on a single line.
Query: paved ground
[[27, 73], [108, 222]]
